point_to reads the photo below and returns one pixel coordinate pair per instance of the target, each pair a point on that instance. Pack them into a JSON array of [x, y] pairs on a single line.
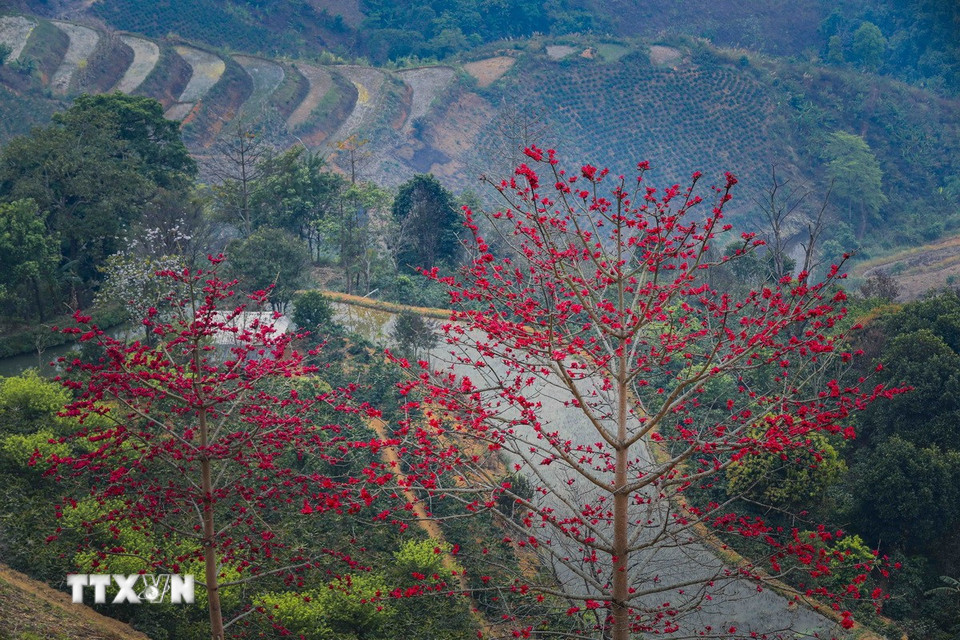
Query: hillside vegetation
[[679, 102]]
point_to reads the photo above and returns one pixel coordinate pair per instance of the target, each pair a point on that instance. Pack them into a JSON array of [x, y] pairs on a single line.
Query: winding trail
[[14, 32], [145, 57], [83, 42]]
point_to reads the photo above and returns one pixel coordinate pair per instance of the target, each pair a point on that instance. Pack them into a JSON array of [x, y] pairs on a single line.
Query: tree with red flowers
[[204, 440], [598, 363]]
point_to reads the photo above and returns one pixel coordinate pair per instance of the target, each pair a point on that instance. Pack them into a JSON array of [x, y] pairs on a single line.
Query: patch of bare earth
[[320, 84], [559, 51], [426, 83], [349, 10], [14, 32], [31, 607], [490, 70], [660, 54], [145, 57], [455, 134], [83, 41], [206, 70]]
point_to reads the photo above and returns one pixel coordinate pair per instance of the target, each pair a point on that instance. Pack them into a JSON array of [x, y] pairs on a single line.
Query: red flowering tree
[[202, 441], [595, 358]]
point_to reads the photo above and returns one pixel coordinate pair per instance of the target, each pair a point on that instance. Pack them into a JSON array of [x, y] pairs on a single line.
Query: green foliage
[[437, 28], [244, 25], [428, 222], [313, 312], [353, 608], [791, 480], [855, 174], [29, 403], [5, 51], [92, 171], [270, 258], [29, 257], [414, 336], [869, 46], [904, 495]]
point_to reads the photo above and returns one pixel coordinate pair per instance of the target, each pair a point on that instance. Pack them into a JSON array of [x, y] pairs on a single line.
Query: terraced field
[[369, 84], [206, 71], [14, 31], [83, 41], [266, 76], [320, 83], [489, 70], [427, 84], [145, 57]]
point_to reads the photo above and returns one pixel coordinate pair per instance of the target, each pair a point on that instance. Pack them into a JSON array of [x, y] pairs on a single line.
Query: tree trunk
[[209, 533], [621, 517]]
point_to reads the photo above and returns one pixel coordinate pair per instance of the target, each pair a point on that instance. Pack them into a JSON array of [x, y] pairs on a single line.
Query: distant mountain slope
[[678, 102]]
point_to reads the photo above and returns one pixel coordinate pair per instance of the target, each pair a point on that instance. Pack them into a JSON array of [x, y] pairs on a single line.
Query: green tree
[[904, 495], [270, 258], [93, 171], [414, 336], [28, 261], [298, 193], [856, 175], [428, 223], [148, 140], [835, 50], [792, 480], [313, 312], [869, 46]]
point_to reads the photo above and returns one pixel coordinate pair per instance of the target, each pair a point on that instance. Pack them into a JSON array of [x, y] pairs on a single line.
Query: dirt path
[[266, 77], [427, 83], [14, 32], [31, 607], [490, 70], [369, 83], [83, 41], [145, 57]]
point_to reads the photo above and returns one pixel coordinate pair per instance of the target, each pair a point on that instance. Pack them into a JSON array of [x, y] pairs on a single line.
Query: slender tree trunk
[[621, 516], [209, 533]]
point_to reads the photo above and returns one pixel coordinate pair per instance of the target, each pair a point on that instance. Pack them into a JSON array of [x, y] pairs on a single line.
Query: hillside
[[30, 609], [678, 102]]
